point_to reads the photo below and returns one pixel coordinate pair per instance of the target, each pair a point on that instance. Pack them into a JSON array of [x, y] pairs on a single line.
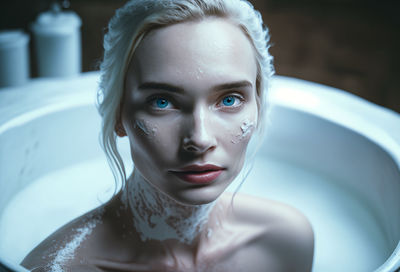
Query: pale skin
[[190, 87]]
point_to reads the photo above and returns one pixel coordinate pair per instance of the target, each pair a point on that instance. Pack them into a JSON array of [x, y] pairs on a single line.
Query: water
[[50, 202], [347, 235]]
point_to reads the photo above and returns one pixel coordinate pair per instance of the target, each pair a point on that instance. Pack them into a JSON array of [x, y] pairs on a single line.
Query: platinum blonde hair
[[134, 21]]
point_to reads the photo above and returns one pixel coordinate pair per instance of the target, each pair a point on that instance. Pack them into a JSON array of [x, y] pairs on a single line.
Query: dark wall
[[349, 44]]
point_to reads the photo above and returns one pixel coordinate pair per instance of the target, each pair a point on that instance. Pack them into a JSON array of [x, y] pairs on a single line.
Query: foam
[[140, 124], [246, 128], [158, 217], [68, 251]]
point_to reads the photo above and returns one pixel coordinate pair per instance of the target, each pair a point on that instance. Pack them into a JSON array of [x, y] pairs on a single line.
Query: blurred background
[[348, 44]]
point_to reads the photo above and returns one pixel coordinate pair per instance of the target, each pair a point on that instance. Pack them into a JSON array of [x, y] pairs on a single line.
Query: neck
[[156, 216]]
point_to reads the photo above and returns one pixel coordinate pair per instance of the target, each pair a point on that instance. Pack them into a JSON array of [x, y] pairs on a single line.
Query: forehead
[[212, 50]]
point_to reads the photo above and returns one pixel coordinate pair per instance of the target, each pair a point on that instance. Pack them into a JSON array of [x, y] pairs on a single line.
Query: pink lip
[[199, 174]]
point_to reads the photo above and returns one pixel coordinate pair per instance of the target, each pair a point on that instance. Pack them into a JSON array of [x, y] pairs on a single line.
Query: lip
[[199, 174]]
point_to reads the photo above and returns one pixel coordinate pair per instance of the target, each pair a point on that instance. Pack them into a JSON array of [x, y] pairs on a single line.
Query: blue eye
[[229, 101], [161, 103]]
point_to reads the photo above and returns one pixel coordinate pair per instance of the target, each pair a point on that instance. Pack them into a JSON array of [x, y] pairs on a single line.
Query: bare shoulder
[[59, 248], [287, 235]]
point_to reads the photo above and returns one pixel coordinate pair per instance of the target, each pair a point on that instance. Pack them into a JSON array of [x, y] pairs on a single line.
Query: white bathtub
[[332, 155]]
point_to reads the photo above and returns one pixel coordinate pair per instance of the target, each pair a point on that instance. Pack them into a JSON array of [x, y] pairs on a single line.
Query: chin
[[197, 196]]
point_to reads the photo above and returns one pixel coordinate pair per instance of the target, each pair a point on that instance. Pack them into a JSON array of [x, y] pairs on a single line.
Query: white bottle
[[14, 58], [57, 40]]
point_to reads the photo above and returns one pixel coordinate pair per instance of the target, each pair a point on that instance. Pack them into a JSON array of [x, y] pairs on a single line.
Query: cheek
[[141, 126], [239, 133], [233, 141], [151, 140], [243, 126], [243, 132]]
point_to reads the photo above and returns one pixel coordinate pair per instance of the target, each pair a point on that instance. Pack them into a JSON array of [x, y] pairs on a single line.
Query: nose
[[198, 136]]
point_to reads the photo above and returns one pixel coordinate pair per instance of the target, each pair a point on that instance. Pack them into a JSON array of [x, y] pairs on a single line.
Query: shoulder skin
[[288, 238]]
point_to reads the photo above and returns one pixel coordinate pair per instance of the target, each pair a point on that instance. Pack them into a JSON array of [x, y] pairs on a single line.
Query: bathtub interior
[[52, 170]]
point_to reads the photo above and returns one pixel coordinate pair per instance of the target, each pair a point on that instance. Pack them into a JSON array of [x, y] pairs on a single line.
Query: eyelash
[[237, 97], [153, 100]]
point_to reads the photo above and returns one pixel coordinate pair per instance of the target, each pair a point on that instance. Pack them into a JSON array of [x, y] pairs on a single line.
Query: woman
[[185, 81]]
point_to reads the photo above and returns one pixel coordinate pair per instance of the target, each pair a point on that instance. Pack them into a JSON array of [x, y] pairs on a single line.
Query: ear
[[119, 129]]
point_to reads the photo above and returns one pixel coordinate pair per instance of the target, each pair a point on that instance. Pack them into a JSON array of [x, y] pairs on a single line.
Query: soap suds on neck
[[157, 217]]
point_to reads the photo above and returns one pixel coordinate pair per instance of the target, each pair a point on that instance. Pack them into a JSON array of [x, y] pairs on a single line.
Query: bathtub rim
[[379, 124]]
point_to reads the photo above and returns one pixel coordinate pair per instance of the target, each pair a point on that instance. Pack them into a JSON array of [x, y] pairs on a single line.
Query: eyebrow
[[160, 86], [233, 85], [171, 88]]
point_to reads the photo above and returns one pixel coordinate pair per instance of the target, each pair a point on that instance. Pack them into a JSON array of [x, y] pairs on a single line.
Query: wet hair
[[134, 21]]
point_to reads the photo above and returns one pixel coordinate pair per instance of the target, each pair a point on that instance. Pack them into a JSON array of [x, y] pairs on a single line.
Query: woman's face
[[190, 108]]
